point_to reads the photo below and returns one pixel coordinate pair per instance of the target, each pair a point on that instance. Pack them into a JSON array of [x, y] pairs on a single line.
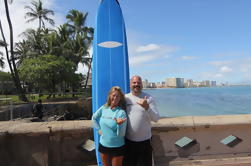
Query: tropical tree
[[77, 22], [70, 43], [88, 73], [11, 61], [83, 36], [5, 76], [7, 86], [36, 11], [46, 72], [2, 44]]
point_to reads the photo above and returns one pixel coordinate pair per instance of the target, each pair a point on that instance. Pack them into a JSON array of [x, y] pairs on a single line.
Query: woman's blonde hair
[[122, 102]]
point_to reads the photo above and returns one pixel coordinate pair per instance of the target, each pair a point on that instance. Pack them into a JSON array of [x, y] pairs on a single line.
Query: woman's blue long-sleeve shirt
[[112, 133]]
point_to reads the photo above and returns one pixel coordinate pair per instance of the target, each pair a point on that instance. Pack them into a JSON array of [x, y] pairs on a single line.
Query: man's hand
[[120, 120], [143, 103]]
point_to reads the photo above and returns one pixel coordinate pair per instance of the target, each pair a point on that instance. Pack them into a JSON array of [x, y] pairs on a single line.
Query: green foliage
[[6, 84], [47, 71], [47, 59], [5, 76]]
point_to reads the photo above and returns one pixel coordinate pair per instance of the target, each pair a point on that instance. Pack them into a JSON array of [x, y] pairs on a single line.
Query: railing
[[10, 102]]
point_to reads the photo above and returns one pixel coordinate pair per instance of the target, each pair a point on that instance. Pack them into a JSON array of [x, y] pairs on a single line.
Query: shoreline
[[200, 87]]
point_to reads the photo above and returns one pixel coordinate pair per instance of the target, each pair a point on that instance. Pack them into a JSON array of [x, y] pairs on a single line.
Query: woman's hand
[[120, 120], [100, 132]]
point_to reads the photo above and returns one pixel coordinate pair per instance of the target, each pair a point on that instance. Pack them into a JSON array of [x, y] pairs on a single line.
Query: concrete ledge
[[42, 144], [225, 160], [59, 143], [208, 131], [196, 121]]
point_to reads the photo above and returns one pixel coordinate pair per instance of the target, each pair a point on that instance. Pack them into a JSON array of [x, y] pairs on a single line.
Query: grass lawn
[[43, 97]]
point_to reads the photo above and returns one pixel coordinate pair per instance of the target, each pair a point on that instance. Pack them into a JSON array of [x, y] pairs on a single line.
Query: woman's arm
[[121, 127], [96, 117]]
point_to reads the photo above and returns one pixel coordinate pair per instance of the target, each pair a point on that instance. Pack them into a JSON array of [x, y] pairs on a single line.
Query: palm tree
[[76, 22], [2, 44], [6, 51], [88, 72], [38, 12], [83, 37], [14, 71]]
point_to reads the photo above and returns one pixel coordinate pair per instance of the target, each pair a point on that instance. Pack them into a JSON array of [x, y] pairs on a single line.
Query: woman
[[110, 120]]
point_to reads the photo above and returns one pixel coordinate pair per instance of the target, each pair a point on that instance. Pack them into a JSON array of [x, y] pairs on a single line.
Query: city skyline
[[181, 82], [193, 39]]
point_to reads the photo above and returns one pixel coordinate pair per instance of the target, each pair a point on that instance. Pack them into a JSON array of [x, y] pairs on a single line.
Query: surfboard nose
[[102, 1]]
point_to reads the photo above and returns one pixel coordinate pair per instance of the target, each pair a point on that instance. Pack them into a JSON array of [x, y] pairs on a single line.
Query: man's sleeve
[[152, 110]]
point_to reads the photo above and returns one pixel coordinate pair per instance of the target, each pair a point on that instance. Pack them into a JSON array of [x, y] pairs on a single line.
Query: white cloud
[[141, 59], [17, 14], [217, 75], [149, 47], [158, 52], [225, 69], [187, 57]]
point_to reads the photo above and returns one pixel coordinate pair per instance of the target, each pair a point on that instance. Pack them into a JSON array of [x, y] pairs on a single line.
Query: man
[[38, 109], [141, 110]]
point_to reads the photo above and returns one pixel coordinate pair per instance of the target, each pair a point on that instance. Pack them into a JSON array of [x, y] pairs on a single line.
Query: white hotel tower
[[175, 82]]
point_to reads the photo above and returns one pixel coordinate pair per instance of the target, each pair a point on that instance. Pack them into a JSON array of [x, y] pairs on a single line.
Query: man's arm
[[153, 111], [150, 106]]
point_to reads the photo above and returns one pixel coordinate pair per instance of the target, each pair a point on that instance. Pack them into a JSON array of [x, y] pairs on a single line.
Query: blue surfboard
[[110, 57]]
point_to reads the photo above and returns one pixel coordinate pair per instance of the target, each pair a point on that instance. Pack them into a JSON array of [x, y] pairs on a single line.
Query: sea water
[[204, 101]]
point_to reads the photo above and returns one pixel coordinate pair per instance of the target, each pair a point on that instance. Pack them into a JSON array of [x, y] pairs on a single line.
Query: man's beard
[[136, 89]]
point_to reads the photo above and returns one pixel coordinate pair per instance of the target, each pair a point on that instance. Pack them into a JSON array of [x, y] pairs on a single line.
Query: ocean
[[208, 101]]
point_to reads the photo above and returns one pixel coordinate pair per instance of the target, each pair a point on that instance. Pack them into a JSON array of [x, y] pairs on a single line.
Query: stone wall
[[60, 143], [207, 133], [45, 144]]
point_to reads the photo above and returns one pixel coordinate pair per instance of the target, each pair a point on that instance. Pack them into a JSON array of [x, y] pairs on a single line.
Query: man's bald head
[[136, 85]]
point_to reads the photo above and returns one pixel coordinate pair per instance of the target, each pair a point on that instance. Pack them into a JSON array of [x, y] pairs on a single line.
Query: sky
[[191, 39]]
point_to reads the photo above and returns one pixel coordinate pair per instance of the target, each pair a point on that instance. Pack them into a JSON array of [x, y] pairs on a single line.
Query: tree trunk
[[7, 53], [40, 22], [16, 80], [88, 73]]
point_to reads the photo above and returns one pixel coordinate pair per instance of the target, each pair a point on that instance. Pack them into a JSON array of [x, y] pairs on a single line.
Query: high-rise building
[[213, 83], [206, 83], [152, 85], [145, 83], [189, 83], [175, 82]]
